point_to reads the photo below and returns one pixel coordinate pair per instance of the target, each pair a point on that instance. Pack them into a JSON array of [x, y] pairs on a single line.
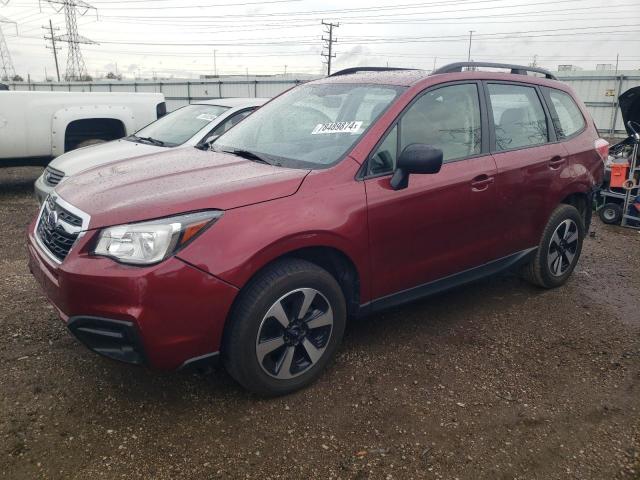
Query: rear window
[[518, 116], [567, 117]]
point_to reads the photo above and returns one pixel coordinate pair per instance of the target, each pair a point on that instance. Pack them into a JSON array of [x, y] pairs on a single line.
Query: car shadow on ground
[[434, 318]]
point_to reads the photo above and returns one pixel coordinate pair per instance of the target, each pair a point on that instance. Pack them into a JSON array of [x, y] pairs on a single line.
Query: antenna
[[76, 68]]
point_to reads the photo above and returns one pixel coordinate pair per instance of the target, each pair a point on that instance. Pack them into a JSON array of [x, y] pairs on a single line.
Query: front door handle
[[556, 162], [481, 183]]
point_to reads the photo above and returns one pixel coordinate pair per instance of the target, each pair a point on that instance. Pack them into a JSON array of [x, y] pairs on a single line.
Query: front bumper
[[165, 316]]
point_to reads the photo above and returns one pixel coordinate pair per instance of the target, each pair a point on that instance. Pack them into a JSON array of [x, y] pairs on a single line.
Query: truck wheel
[[91, 141], [559, 249], [285, 328], [611, 213]]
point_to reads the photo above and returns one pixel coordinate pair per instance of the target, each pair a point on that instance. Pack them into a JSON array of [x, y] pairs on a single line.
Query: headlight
[[151, 242]]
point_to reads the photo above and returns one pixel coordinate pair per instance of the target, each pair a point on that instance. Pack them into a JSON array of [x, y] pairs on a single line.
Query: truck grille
[[52, 177], [58, 228]]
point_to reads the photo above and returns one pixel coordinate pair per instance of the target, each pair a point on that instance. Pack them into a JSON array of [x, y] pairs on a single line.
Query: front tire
[[559, 249], [285, 328]]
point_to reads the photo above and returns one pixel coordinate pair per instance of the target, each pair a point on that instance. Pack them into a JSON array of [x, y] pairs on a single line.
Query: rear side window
[[518, 116], [566, 115]]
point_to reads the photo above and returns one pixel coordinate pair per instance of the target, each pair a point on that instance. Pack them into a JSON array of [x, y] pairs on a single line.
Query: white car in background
[[187, 127]]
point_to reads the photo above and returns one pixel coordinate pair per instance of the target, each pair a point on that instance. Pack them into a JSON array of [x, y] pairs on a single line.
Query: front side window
[[567, 117], [179, 126], [447, 118], [518, 116], [311, 126], [383, 159]]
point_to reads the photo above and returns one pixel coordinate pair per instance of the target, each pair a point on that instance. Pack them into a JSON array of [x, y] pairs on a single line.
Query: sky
[[178, 38]]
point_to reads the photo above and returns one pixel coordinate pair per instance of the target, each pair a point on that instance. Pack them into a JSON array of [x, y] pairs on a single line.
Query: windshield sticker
[[206, 116], [337, 127]]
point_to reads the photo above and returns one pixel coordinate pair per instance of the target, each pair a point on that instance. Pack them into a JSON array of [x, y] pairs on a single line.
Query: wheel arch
[[78, 131], [332, 259], [63, 118], [581, 200]]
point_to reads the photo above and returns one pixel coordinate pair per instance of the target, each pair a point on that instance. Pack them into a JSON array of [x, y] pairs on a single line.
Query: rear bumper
[[165, 316]]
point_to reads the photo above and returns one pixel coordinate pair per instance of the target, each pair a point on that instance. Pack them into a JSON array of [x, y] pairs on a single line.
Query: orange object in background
[[619, 173]]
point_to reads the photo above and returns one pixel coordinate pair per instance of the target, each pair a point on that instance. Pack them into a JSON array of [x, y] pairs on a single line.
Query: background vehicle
[[38, 126], [186, 127], [339, 198]]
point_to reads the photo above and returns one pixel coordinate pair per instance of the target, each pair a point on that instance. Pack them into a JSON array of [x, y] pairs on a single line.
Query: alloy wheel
[[563, 247], [294, 333]]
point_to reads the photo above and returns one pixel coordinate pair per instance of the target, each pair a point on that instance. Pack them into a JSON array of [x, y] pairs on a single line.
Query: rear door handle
[[556, 162], [481, 183]]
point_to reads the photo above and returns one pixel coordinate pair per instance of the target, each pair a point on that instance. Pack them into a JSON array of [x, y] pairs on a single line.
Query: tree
[[113, 76], [17, 78]]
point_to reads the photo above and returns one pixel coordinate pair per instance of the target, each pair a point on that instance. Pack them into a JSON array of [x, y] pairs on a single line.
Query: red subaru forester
[[341, 197]]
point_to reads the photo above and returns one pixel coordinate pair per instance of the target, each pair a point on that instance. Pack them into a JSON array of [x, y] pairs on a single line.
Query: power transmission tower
[[7, 72], [76, 68], [329, 44], [53, 47]]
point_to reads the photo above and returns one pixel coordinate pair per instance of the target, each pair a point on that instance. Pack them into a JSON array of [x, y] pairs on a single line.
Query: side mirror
[[416, 158]]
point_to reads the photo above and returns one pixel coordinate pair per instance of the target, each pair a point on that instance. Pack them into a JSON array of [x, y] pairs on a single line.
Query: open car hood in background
[[629, 103]]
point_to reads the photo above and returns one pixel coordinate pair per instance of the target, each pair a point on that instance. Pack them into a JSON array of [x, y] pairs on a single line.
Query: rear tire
[[559, 249], [285, 328], [611, 214]]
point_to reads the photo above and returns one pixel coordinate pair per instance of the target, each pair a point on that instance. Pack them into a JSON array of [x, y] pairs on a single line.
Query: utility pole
[[53, 47], [329, 43], [470, 39]]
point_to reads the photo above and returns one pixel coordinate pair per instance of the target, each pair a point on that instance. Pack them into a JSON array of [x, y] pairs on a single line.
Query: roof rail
[[515, 69], [348, 71]]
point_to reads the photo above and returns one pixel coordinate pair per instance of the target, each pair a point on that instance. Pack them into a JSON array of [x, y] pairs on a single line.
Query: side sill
[[447, 283]]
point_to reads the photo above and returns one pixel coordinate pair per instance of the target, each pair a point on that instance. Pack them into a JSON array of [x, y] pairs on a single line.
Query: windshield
[[311, 126], [179, 126]]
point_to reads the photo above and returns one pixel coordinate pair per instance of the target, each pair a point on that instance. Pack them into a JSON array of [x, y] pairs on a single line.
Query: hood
[[81, 159], [629, 103], [175, 182]]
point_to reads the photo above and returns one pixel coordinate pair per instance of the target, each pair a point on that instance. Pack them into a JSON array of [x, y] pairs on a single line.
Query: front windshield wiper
[[252, 156], [153, 141]]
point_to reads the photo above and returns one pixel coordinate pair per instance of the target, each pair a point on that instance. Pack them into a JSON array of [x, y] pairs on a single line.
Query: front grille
[[52, 177], [58, 229]]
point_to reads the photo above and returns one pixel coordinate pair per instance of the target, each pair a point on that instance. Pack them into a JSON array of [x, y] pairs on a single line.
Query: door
[[529, 163], [442, 223]]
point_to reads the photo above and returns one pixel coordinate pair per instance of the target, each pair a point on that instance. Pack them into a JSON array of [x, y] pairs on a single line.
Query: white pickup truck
[[38, 126]]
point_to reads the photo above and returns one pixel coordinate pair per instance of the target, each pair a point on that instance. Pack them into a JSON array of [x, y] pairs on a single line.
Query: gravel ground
[[494, 380]]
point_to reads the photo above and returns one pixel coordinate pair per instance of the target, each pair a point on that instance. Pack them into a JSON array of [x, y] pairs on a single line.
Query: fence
[[599, 92], [177, 93]]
